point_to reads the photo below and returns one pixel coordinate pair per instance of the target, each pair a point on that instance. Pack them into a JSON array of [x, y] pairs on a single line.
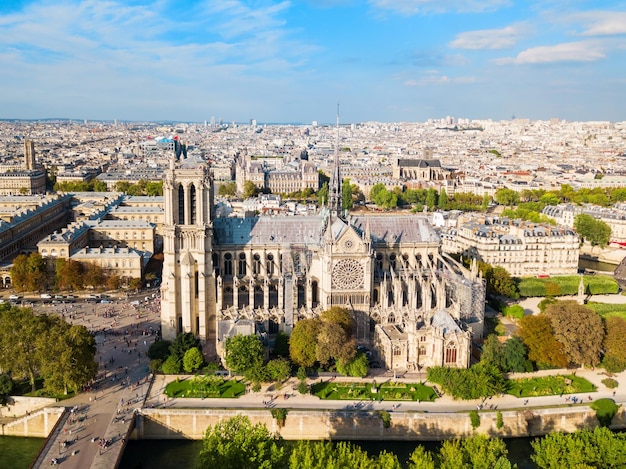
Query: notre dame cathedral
[[259, 275]]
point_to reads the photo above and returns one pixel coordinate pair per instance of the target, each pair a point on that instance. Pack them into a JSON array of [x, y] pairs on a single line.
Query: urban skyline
[[383, 60]]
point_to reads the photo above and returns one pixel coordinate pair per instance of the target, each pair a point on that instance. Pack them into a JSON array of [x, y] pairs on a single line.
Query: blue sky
[[293, 60]]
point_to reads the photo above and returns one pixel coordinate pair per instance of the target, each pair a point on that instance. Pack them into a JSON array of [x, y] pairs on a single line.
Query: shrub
[[280, 415], [543, 304], [155, 365], [499, 420], [386, 418], [303, 388], [474, 419], [514, 311], [172, 365], [605, 410], [610, 383]]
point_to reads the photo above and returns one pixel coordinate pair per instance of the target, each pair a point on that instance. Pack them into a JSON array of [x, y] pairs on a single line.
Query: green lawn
[[566, 285], [607, 310], [205, 387], [549, 386], [364, 391]]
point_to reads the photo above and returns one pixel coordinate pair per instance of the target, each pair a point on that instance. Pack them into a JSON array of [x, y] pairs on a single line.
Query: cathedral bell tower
[[188, 288]]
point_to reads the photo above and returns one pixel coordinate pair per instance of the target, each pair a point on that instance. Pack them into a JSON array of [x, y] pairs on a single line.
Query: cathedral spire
[[335, 197]]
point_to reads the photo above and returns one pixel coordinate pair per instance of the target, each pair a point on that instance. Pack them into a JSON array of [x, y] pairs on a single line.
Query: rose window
[[348, 274]]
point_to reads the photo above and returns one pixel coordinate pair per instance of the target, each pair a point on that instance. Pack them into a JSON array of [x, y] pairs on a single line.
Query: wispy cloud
[[601, 23], [502, 38], [415, 7], [583, 51], [435, 77]]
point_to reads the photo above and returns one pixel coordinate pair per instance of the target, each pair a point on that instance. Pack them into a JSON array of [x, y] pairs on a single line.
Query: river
[[176, 454]]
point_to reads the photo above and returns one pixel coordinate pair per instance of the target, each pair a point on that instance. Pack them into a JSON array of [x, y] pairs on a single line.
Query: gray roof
[[269, 230], [306, 231], [397, 228], [443, 319]]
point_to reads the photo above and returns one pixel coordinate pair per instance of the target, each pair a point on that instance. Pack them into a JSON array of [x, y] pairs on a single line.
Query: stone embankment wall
[[363, 425], [38, 424]]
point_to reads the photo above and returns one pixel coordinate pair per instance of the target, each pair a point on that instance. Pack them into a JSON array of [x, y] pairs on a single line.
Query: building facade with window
[[223, 273]]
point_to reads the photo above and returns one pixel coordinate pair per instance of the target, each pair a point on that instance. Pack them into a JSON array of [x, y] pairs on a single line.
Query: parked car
[[15, 297], [46, 296]]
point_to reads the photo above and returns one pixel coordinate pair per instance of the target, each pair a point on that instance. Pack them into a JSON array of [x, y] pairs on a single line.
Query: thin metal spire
[[335, 198]]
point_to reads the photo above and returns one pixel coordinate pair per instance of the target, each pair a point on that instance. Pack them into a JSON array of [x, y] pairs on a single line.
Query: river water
[[179, 454]]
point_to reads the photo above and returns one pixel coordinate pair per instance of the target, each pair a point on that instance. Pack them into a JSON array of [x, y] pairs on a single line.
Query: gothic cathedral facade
[[260, 275]]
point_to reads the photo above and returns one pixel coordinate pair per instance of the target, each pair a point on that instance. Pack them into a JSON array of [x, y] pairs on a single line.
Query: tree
[[515, 356], [279, 369], [493, 352], [29, 272], [322, 195], [281, 344], [507, 197], [69, 275], [500, 282], [227, 189], [303, 342], [172, 365], [243, 353], [442, 203], [346, 195], [543, 348], [333, 344], [599, 447], [579, 330], [250, 190], [431, 199], [20, 330], [6, 386], [597, 232], [235, 443], [614, 360], [193, 360], [357, 367], [182, 343], [421, 459], [159, 350], [341, 316], [476, 452], [324, 454], [74, 350]]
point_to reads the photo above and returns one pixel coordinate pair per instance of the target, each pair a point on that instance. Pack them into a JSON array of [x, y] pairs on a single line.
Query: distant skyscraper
[[29, 154], [212, 121]]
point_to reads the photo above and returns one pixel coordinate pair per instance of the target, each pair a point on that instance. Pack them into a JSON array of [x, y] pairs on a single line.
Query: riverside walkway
[[95, 427]]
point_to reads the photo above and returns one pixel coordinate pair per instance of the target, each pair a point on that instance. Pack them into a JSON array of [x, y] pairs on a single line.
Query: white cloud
[[583, 51], [491, 38], [414, 7], [600, 23]]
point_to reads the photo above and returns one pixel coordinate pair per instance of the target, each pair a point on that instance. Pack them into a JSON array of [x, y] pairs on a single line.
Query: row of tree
[[29, 273], [142, 187], [46, 346], [236, 443]]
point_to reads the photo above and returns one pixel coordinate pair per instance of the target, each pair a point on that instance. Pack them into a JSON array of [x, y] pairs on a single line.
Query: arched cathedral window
[[450, 353], [256, 265], [181, 205], [192, 204], [242, 264], [228, 264], [270, 264]]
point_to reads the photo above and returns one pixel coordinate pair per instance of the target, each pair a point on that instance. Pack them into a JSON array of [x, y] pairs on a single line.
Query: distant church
[[260, 275]]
